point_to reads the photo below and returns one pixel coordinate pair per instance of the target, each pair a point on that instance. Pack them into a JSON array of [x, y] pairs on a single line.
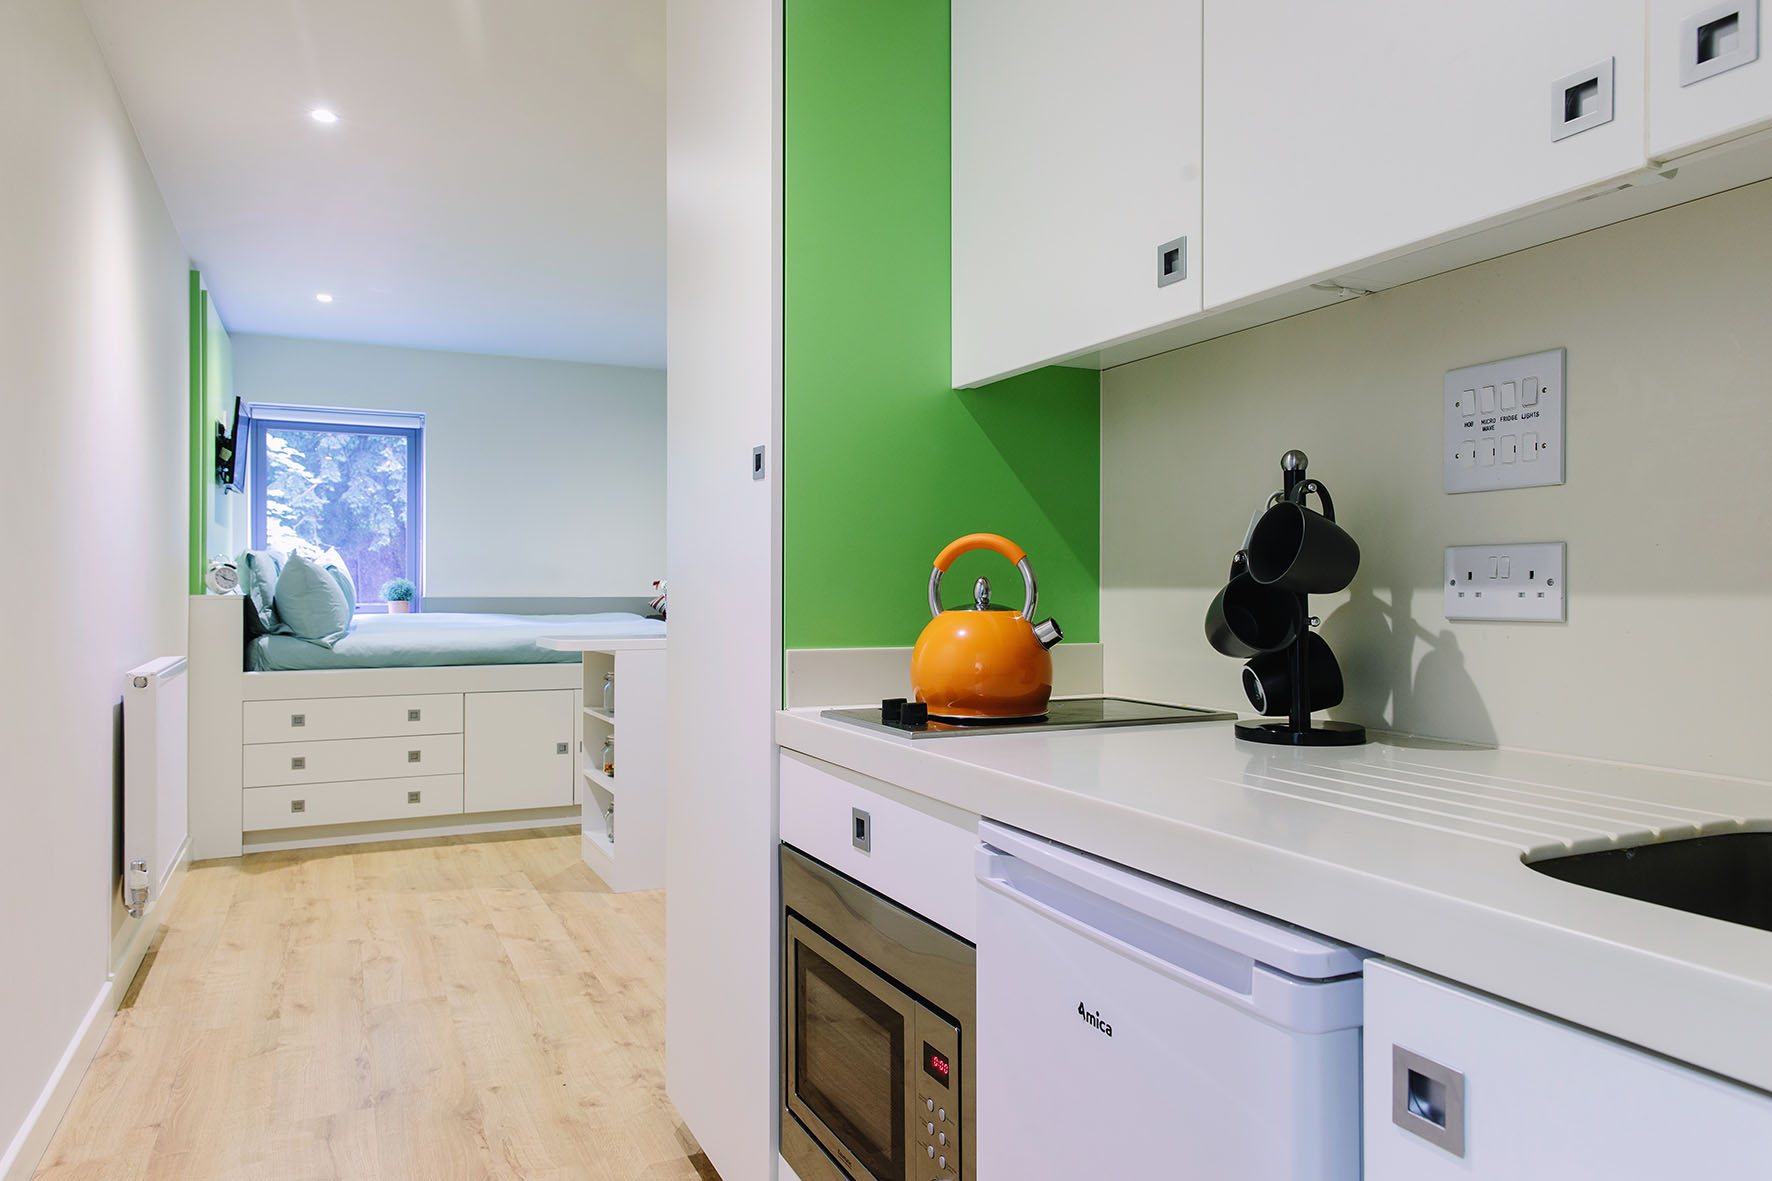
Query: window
[[348, 480]]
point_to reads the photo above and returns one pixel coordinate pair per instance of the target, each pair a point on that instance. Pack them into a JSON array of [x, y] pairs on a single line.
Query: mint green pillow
[[310, 602], [334, 564], [258, 582]]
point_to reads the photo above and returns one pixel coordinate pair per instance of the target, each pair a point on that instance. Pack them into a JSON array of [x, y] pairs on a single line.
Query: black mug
[[1267, 679], [1247, 618], [1302, 551]]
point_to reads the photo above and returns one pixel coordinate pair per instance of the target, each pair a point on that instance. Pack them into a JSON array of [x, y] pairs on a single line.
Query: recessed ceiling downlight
[[323, 115], [323, 297]]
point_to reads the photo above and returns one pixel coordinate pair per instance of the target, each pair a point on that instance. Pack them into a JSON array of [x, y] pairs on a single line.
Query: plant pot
[[399, 606]]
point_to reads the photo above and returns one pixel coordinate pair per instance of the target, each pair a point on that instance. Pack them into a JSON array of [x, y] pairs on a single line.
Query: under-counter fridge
[[1130, 1028]]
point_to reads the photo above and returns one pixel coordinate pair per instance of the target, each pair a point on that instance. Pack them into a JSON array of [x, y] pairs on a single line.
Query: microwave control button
[[941, 1138], [941, 1117], [941, 1162], [929, 1104], [931, 1149], [931, 1128]]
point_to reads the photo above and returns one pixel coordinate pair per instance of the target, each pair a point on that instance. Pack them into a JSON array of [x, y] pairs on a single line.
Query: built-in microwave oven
[[879, 1005]]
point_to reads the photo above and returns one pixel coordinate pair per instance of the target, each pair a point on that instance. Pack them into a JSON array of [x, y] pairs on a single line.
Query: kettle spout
[[1048, 633]]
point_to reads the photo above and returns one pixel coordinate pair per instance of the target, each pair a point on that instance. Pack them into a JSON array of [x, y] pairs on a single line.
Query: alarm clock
[[223, 578]]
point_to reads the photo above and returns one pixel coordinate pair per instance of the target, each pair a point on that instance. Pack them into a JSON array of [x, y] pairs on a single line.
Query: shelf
[[595, 840], [607, 719], [598, 779]]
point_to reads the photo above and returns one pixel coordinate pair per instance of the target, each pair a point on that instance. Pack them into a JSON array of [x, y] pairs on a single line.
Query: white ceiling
[[495, 182]]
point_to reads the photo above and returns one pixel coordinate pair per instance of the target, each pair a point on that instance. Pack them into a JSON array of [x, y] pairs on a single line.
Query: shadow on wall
[[1376, 642], [1029, 421]]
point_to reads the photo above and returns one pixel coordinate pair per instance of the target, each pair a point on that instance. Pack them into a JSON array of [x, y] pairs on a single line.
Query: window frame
[[411, 427]]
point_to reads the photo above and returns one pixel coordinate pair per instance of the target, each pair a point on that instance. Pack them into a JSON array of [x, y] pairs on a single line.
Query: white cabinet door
[[1708, 80], [578, 744], [1076, 156], [1513, 1095], [518, 750], [1338, 133]]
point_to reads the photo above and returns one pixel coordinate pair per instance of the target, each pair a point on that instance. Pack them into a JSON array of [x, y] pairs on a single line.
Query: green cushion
[[311, 603], [258, 582]]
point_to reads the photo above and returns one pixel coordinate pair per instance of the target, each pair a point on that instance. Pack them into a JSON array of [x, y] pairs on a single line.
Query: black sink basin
[[1726, 877]]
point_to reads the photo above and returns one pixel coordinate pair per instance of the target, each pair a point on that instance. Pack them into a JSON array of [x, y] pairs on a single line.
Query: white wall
[[1668, 519], [542, 478], [722, 943], [93, 370]]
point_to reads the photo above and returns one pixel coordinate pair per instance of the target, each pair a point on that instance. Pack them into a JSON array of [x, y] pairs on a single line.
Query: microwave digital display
[[936, 1064]]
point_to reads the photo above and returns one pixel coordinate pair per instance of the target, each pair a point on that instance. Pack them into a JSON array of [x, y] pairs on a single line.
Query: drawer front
[[351, 802], [273, 763], [918, 853], [321, 718], [1462, 1087]]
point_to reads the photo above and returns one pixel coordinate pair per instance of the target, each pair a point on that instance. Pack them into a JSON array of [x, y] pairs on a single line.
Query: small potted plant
[[398, 592]]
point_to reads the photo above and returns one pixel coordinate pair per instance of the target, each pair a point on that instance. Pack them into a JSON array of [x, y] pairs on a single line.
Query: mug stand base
[[1281, 733]]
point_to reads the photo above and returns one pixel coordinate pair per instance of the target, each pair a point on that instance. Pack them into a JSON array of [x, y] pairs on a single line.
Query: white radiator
[[154, 778]]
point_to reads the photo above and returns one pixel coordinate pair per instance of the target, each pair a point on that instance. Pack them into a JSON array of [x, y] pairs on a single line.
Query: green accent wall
[[884, 462], [212, 402], [202, 441]]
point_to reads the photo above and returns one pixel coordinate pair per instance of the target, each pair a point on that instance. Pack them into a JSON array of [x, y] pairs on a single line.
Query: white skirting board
[[859, 676], [23, 1155], [418, 828]]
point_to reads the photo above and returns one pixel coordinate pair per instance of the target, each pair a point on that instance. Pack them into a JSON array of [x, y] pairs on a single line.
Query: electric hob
[[1065, 713]]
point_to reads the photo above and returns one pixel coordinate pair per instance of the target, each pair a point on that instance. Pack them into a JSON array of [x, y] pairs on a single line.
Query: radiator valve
[[136, 888]]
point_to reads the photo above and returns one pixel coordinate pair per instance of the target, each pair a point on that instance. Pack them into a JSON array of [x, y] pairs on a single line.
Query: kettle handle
[[996, 543]]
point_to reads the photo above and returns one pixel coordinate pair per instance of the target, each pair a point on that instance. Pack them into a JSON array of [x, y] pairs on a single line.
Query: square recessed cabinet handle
[[562, 748], [861, 830], [413, 715], [298, 805], [1719, 39], [1427, 1099], [1582, 101], [298, 763], [413, 797], [298, 720], [1172, 262], [413, 756]]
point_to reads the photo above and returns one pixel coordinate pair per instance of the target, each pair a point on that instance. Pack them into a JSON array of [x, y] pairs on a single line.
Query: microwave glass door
[[850, 1040]]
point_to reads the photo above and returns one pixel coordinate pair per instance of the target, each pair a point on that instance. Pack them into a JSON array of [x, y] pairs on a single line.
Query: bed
[[438, 639], [406, 725]]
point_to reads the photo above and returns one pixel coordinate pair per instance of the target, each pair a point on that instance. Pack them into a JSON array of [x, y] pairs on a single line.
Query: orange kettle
[[984, 663]]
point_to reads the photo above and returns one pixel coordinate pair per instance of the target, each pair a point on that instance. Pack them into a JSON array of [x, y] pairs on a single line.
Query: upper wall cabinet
[[1342, 133], [1707, 79], [1076, 176]]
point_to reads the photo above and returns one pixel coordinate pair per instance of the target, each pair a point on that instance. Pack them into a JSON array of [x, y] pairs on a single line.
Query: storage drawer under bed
[[350, 802], [320, 718], [274, 763]]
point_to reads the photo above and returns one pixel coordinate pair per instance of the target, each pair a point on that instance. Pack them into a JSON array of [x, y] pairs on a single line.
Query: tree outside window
[[343, 486]]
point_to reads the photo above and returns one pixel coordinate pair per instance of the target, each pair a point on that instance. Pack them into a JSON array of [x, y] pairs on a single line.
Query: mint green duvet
[[427, 640]]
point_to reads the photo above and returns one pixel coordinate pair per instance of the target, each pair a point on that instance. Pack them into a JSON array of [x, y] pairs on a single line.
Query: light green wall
[[212, 402], [885, 463]]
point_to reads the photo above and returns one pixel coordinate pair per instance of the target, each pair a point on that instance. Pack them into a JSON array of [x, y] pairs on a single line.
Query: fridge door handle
[[1185, 959]]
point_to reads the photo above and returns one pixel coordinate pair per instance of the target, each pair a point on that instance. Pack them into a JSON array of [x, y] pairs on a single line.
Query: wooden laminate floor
[[463, 1008]]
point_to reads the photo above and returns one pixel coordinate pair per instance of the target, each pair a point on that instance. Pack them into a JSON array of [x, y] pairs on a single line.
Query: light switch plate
[[1514, 582], [1504, 424]]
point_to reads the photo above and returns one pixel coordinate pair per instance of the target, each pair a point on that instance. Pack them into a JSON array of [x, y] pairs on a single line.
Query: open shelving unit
[[632, 858]]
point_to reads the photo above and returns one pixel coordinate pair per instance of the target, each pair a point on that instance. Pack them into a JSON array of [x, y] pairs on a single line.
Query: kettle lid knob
[[981, 595]]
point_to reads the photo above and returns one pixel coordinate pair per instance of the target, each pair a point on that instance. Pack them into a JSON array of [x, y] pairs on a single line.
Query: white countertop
[[1409, 848], [586, 643]]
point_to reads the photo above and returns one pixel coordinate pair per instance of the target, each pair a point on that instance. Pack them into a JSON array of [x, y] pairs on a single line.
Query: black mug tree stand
[[1289, 549]]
